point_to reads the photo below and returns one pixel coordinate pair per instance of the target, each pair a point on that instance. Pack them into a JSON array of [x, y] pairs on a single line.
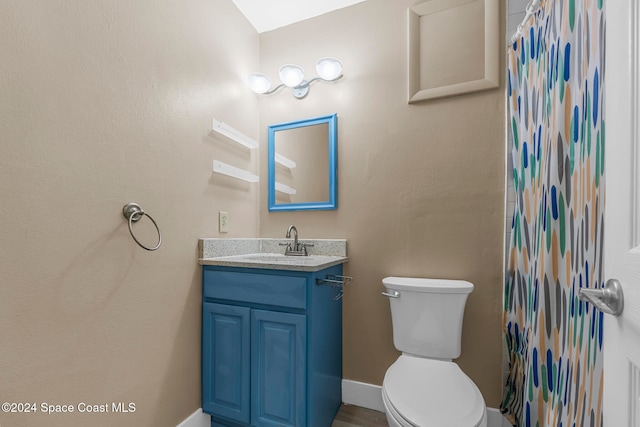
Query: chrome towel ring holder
[[134, 213]]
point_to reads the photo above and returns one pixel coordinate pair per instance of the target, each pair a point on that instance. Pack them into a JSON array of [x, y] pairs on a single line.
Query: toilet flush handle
[[392, 294]]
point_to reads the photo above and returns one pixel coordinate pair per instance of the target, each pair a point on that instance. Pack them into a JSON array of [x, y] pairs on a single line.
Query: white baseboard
[[197, 419], [370, 396], [353, 393], [495, 418], [362, 394]]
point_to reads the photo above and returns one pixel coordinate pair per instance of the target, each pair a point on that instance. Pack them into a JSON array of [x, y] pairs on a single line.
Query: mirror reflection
[[308, 148], [302, 160]]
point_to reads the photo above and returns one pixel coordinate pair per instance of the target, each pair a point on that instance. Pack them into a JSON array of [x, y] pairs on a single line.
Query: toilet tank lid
[[428, 285]]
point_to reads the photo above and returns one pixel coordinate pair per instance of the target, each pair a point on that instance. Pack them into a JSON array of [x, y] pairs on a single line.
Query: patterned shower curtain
[[554, 340]]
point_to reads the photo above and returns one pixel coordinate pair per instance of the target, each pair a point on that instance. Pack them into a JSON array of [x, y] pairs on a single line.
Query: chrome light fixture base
[[301, 90]]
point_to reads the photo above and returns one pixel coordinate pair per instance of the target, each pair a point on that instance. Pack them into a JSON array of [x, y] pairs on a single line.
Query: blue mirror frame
[[332, 203]]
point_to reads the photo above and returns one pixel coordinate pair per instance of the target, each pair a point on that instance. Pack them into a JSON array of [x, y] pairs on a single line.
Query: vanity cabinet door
[[226, 361], [278, 368]]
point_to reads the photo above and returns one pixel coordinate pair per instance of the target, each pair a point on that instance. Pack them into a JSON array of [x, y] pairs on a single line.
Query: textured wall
[[420, 187], [103, 103]]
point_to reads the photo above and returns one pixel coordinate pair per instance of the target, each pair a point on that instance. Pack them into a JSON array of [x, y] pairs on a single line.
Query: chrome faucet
[[295, 248], [295, 236]]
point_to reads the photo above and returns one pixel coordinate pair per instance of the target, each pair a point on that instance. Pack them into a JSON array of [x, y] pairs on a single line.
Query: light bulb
[[259, 83], [291, 75], [329, 68]]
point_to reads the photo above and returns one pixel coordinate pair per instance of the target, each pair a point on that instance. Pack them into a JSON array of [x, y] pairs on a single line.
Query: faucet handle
[[304, 247]]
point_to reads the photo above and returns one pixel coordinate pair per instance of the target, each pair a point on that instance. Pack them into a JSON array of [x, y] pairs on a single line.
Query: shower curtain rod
[[531, 9]]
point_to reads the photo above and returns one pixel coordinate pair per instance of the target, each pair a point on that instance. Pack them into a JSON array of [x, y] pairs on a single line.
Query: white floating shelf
[[285, 188], [284, 161], [225, 169], [233, 134]]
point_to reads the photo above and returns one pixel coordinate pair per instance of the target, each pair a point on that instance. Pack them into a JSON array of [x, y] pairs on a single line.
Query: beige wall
[[420, 187], [103, 103]]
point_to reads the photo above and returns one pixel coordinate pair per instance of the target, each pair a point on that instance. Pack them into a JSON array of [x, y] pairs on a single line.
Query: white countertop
[[276, 261], [261, 253]]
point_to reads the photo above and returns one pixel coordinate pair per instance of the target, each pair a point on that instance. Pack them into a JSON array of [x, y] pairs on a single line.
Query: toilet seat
[[432, 393]]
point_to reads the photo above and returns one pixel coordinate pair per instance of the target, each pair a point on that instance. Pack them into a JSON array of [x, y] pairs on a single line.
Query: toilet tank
[[427, 315]]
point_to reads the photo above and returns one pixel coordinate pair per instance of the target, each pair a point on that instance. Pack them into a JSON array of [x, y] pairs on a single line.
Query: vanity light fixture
[[328, 69]]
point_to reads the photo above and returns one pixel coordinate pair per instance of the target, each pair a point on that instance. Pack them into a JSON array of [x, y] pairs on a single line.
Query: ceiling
[[267, 15]]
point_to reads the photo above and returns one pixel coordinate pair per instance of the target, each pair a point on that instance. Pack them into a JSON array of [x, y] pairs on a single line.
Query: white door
[[622, 212]]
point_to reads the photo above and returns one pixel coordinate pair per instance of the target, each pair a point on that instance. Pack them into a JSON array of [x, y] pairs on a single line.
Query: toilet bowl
[[424, 387], [419, 392]]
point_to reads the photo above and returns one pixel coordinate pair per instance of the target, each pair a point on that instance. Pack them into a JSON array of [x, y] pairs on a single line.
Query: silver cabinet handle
[[609, 299], [392, 294]]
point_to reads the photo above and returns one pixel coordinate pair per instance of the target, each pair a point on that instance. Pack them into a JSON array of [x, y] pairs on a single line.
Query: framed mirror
[[303, 164]]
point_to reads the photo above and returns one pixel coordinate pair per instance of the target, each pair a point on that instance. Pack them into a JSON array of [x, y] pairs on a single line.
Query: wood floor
[[355, 416]]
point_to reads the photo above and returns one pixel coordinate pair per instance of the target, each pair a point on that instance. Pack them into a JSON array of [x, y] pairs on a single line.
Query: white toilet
[[424, 387]]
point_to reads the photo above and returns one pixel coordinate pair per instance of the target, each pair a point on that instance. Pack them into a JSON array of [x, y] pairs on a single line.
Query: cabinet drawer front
[[278, 290]]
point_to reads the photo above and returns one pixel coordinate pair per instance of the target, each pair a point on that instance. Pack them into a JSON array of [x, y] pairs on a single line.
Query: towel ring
[[134, 213]]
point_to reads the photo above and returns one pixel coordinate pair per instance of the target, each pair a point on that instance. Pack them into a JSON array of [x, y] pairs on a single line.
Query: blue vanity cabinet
[[271, 347]]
